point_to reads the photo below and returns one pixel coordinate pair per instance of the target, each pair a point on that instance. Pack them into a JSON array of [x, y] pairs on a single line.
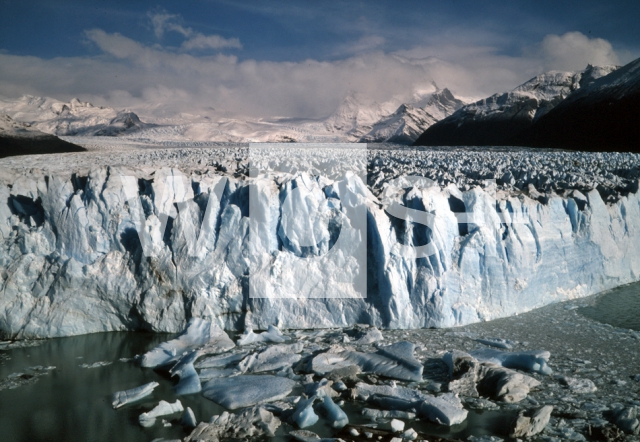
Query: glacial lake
[[71, 403], [619, 307]]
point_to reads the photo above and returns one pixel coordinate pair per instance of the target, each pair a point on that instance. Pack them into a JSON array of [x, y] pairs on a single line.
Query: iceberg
[[274, 357], [163, 408], [198, 333], [247, 390], [189, 381], [445, 409], [189, 418], [336, 417], [121, 398], [394, 361], [271, 335], [534, 361], [304, 416], [248, 424], [221, 360]]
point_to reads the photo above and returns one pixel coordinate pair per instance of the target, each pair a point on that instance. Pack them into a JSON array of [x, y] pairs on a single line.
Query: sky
[[297, 58]]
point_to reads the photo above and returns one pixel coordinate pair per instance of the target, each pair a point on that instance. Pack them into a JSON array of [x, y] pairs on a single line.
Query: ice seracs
[[496, 263]]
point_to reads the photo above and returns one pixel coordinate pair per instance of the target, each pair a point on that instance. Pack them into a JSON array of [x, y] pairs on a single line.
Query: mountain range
[[593, 109], [17, 138], [499, 119], [356, 119], [596, 110]]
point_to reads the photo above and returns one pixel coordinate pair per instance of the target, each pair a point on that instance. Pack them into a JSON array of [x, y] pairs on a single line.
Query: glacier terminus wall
[[147, 240]]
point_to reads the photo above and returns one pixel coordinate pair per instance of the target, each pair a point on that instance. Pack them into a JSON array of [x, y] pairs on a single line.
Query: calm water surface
[[619, 307]]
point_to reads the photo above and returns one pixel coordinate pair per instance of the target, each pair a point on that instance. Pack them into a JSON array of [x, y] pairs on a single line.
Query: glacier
[[71, 260]]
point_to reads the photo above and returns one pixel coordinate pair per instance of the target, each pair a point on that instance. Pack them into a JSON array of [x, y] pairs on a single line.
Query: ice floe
[[121, 398], [246, 390], [163, 408], [198, 333]]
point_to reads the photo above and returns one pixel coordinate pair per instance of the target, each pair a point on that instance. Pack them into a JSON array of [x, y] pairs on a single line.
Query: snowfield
[[552, 226]]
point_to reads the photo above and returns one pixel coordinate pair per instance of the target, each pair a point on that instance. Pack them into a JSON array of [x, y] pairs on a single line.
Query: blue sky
[[271, 58]]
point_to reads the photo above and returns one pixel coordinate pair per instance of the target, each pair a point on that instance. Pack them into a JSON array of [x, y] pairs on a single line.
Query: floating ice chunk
[[304, 416], [369, 337], [402, 352], [463, 373], [578, 385], [374, 414], [394, 361], [189, 418], [535, 361], [221, 360], [211, 373], [121, 398], [410, 434], [250, 424], [271, 335], [335, 415], [445, 409], [396, 425], [325, 363], [198, 333], [340, 386], [365, 391], [321, 389], [497, 342], [530, 423], [247, 390], [503, 383], [309, 436], [96, 364], [163, 408], [189, 381], [272, 358]]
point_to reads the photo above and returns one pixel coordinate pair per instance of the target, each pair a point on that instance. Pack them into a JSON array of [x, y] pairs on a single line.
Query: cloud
[[162, 22], [200, 41], [364, 44], [162, 82], [573, 51]]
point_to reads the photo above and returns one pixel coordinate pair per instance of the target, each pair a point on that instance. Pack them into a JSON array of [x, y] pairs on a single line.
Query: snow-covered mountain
[[70, 118], [17, 138], [600, 116], [356, 119], [499, 119], [406, 124]]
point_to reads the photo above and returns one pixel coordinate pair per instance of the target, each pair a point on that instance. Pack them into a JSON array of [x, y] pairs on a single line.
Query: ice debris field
[[234, 376]]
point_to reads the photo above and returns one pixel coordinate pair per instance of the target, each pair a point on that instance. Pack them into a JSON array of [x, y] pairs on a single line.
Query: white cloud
[[162, 82], [199, 41], [573, 51], [162, 22]]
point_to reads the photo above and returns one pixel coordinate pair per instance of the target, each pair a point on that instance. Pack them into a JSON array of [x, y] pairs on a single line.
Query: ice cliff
[[72, 262]]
